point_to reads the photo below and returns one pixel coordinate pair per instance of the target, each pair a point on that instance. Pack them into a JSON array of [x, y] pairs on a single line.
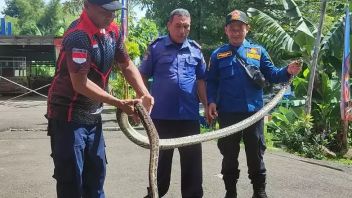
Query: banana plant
[[332, 47], [287, 44], [281, 42]]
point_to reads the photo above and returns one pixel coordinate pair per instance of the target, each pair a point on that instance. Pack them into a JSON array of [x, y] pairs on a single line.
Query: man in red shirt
[[91, 46]]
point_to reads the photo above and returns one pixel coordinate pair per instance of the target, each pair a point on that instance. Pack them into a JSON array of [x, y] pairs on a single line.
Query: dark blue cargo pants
[[78, 152]]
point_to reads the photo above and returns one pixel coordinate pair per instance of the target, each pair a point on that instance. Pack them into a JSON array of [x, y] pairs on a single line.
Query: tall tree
[[52, 23], [208, 16], [28, 13], [73, 7]]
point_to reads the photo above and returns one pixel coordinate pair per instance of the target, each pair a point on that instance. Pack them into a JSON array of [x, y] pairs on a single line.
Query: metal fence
[[13, 66]]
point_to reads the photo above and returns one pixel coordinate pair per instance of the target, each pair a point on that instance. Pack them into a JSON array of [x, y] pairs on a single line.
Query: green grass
[[271, 146], [342, 161]]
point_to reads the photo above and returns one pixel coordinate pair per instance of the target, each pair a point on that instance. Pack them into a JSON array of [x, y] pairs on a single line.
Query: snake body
[[155, 144]]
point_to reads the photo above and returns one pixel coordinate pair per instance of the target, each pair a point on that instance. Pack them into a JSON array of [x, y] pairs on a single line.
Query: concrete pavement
[[26, 167]]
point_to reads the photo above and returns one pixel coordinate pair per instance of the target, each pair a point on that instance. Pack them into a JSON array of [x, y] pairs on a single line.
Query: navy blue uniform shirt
[[175, 69], [229, 86]]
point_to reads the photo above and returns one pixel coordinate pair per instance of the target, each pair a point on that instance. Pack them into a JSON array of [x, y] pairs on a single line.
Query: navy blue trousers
[[254, 142], [78, 152], [190, 158]]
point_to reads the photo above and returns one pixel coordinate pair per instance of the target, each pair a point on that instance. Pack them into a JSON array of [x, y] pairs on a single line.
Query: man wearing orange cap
[[235, 78]]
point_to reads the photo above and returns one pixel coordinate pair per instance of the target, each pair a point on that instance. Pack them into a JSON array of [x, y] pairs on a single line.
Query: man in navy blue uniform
[[177, 67], [233, 96], [91, 46]]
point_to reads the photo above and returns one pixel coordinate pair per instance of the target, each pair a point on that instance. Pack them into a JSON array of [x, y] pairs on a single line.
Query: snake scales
[[155, 144]]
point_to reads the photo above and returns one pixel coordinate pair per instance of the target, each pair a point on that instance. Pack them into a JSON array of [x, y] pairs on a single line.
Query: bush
[[292, 129]]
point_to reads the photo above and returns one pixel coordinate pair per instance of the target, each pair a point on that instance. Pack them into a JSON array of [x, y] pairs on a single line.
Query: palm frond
[[269, 33]]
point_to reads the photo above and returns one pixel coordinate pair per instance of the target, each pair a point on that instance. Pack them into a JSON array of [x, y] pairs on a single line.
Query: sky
[[2, 5], [139, 13]]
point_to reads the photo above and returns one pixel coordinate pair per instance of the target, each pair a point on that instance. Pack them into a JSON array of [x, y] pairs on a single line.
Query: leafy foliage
[[142, 33], [52, 22], [285, 43], [35, 17], [292, 129]]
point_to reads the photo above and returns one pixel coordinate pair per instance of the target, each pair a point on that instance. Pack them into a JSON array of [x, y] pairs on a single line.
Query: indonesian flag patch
[[79, 55]]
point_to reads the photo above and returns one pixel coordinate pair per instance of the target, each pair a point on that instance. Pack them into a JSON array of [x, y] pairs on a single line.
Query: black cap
[[237, 15], [111, 5]]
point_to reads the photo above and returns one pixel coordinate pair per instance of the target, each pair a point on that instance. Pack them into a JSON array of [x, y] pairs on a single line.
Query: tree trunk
[[344, 137], [315, 58]]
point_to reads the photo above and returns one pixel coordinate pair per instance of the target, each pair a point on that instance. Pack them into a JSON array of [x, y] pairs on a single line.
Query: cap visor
[[243, 21], [112, 6]]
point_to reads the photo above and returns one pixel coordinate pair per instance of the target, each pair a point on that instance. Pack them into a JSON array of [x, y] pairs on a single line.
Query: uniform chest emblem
[[254, 53], [79, 55], [224, 54], [235, 15]]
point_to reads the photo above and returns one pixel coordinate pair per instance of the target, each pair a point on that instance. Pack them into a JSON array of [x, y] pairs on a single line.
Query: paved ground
[[26, 168]]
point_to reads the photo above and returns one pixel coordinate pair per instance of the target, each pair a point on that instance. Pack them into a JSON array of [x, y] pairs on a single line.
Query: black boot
[[231, 194], [230, 186], [259, 191]]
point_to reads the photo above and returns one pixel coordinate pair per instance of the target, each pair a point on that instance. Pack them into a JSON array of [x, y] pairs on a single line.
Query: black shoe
[[259, 191], [230, 194], [230, 187], [260, 195]]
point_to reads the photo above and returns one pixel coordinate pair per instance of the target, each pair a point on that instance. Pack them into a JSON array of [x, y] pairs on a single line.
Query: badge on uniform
[[224, 54], [254, 53], [79, 55]]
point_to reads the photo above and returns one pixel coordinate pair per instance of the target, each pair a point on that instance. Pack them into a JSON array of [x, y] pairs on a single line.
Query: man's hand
[[212, 112], [127, 106], [294, 67], [148, 102]]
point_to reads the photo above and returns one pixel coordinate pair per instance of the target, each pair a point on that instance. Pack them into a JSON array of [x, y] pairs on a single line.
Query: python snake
[[155, 144]]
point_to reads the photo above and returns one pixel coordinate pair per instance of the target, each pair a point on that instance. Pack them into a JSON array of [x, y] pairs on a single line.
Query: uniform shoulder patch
[[225, 54], [79, 56], [254, 53], [196, 44]]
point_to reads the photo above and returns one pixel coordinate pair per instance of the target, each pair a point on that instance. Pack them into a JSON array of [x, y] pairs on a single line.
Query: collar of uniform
[[92, 29], [169, 42], [246, 43]]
